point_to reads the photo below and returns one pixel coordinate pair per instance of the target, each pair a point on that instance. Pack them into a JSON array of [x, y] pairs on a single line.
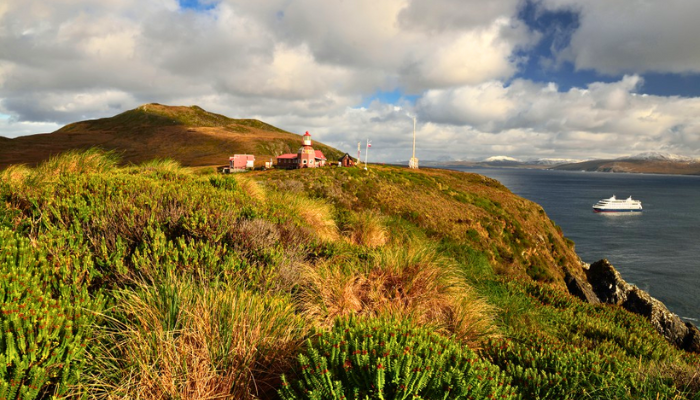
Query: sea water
[[658, 249]]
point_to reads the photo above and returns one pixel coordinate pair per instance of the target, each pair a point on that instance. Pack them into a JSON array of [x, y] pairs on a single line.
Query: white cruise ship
[[616, 205]]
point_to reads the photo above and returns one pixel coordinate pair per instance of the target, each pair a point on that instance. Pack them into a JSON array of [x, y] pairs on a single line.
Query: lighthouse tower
[[307, 154]]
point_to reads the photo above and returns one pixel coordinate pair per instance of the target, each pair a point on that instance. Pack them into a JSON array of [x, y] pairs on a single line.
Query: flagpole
[[359, 154], [366, 153]]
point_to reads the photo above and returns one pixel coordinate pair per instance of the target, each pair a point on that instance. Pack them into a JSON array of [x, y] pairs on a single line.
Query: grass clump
[[411, 283], [391, 359], [187, 340], [366, 229]]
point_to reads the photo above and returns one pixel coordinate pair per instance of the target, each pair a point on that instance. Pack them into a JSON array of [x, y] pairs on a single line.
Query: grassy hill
[[635, 166], [189, 135], [153, 281]]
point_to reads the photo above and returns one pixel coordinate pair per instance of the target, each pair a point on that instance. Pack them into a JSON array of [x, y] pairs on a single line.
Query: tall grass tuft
[[163, 165], [15, 174], [181, 339], [410, 283], [76, 162], [250, 187], [314, 214], [366, 229]]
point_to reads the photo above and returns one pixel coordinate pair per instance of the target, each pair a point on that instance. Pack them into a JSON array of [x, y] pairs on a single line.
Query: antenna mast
[[413, 162]]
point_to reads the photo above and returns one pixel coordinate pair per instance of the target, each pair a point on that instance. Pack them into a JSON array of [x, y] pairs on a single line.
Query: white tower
[[413, 162]]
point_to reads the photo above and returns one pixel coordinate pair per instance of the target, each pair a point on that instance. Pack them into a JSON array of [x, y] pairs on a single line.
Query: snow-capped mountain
[[501, 159], [658, 156], [552, 161]]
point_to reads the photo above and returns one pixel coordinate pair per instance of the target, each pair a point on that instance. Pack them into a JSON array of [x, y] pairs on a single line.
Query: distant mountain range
[[650, 162], [189, 135], [500, 161]]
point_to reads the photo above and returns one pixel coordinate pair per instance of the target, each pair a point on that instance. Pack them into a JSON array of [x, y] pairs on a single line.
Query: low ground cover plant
[[155, 281], [392, 359]]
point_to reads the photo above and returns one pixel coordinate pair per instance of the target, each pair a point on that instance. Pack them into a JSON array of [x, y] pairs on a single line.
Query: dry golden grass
[[251, 187], [164, 166], [72, 162], [683, 375], [367, 230], [317, 214], [76, 162], [16, 174], [410, 283], [179, 340]]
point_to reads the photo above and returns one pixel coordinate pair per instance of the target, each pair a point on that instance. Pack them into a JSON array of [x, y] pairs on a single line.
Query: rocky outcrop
[[580, 288], [605, 285]]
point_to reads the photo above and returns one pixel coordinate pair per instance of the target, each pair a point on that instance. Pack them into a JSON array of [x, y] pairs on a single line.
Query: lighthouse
[[307, 154], [306, 157]]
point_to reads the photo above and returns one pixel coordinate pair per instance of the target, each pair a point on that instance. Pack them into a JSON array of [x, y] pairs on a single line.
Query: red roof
[[307, 133], [244, 156], [319, 154], [288, 156]]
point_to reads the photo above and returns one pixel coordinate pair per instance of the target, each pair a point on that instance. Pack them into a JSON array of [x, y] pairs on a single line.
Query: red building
[[346, 161], [306, 157], [241, 162]]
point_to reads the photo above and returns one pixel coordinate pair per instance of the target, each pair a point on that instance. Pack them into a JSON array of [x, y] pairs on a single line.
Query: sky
[[528, 79]]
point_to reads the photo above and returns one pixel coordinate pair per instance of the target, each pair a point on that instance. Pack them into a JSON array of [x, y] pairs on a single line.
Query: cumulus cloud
[[305, 52], [602, 120], [615, 37], [11, 129], [310, 64]]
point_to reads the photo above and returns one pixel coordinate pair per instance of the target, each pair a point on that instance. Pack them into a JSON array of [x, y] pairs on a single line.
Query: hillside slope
[[468, 209], [635, 166], [189, 135], [155, 281]]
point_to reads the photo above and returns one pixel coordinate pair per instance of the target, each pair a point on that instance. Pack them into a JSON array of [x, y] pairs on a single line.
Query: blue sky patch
[[394, 97], [556, 29], [197, 5]]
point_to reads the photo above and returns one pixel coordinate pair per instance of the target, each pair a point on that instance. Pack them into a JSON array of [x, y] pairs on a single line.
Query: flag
[[369, 145]]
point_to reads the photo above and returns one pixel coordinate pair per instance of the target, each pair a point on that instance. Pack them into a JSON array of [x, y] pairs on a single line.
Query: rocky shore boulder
[[605, 285]]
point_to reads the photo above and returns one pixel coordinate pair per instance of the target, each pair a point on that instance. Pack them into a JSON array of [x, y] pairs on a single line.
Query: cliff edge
[[604, 284]]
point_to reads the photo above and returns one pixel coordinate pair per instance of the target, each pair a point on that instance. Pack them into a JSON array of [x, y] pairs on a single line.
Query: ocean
[[658, 249]]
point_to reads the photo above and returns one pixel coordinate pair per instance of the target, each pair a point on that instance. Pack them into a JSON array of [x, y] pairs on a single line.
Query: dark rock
[[692, 340], [607, 283], [580, 288], [608, 287]]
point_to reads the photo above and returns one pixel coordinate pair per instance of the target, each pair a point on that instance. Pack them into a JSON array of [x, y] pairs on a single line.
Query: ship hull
[[600, 210]]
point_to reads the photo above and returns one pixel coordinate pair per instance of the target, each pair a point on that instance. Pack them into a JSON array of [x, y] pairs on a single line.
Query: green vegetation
[[155, 282], [392, 359], [190, 135]]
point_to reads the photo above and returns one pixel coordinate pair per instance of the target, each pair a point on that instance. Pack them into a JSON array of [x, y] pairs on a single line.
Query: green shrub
[[390, 359], [45, 316]]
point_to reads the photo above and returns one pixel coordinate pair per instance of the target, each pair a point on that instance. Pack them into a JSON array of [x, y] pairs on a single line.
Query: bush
[[45, 316], [413, 283], [390, 359], [182, 339]]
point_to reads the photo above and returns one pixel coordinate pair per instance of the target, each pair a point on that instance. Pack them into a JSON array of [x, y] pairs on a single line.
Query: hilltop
[[156, 281], [650, 162], [189, 135]]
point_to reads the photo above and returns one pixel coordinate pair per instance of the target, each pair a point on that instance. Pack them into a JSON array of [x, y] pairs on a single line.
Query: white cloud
[[441, 15], [311, 50], [307, 64], [12, 129], [602, 120], [619, 36]]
